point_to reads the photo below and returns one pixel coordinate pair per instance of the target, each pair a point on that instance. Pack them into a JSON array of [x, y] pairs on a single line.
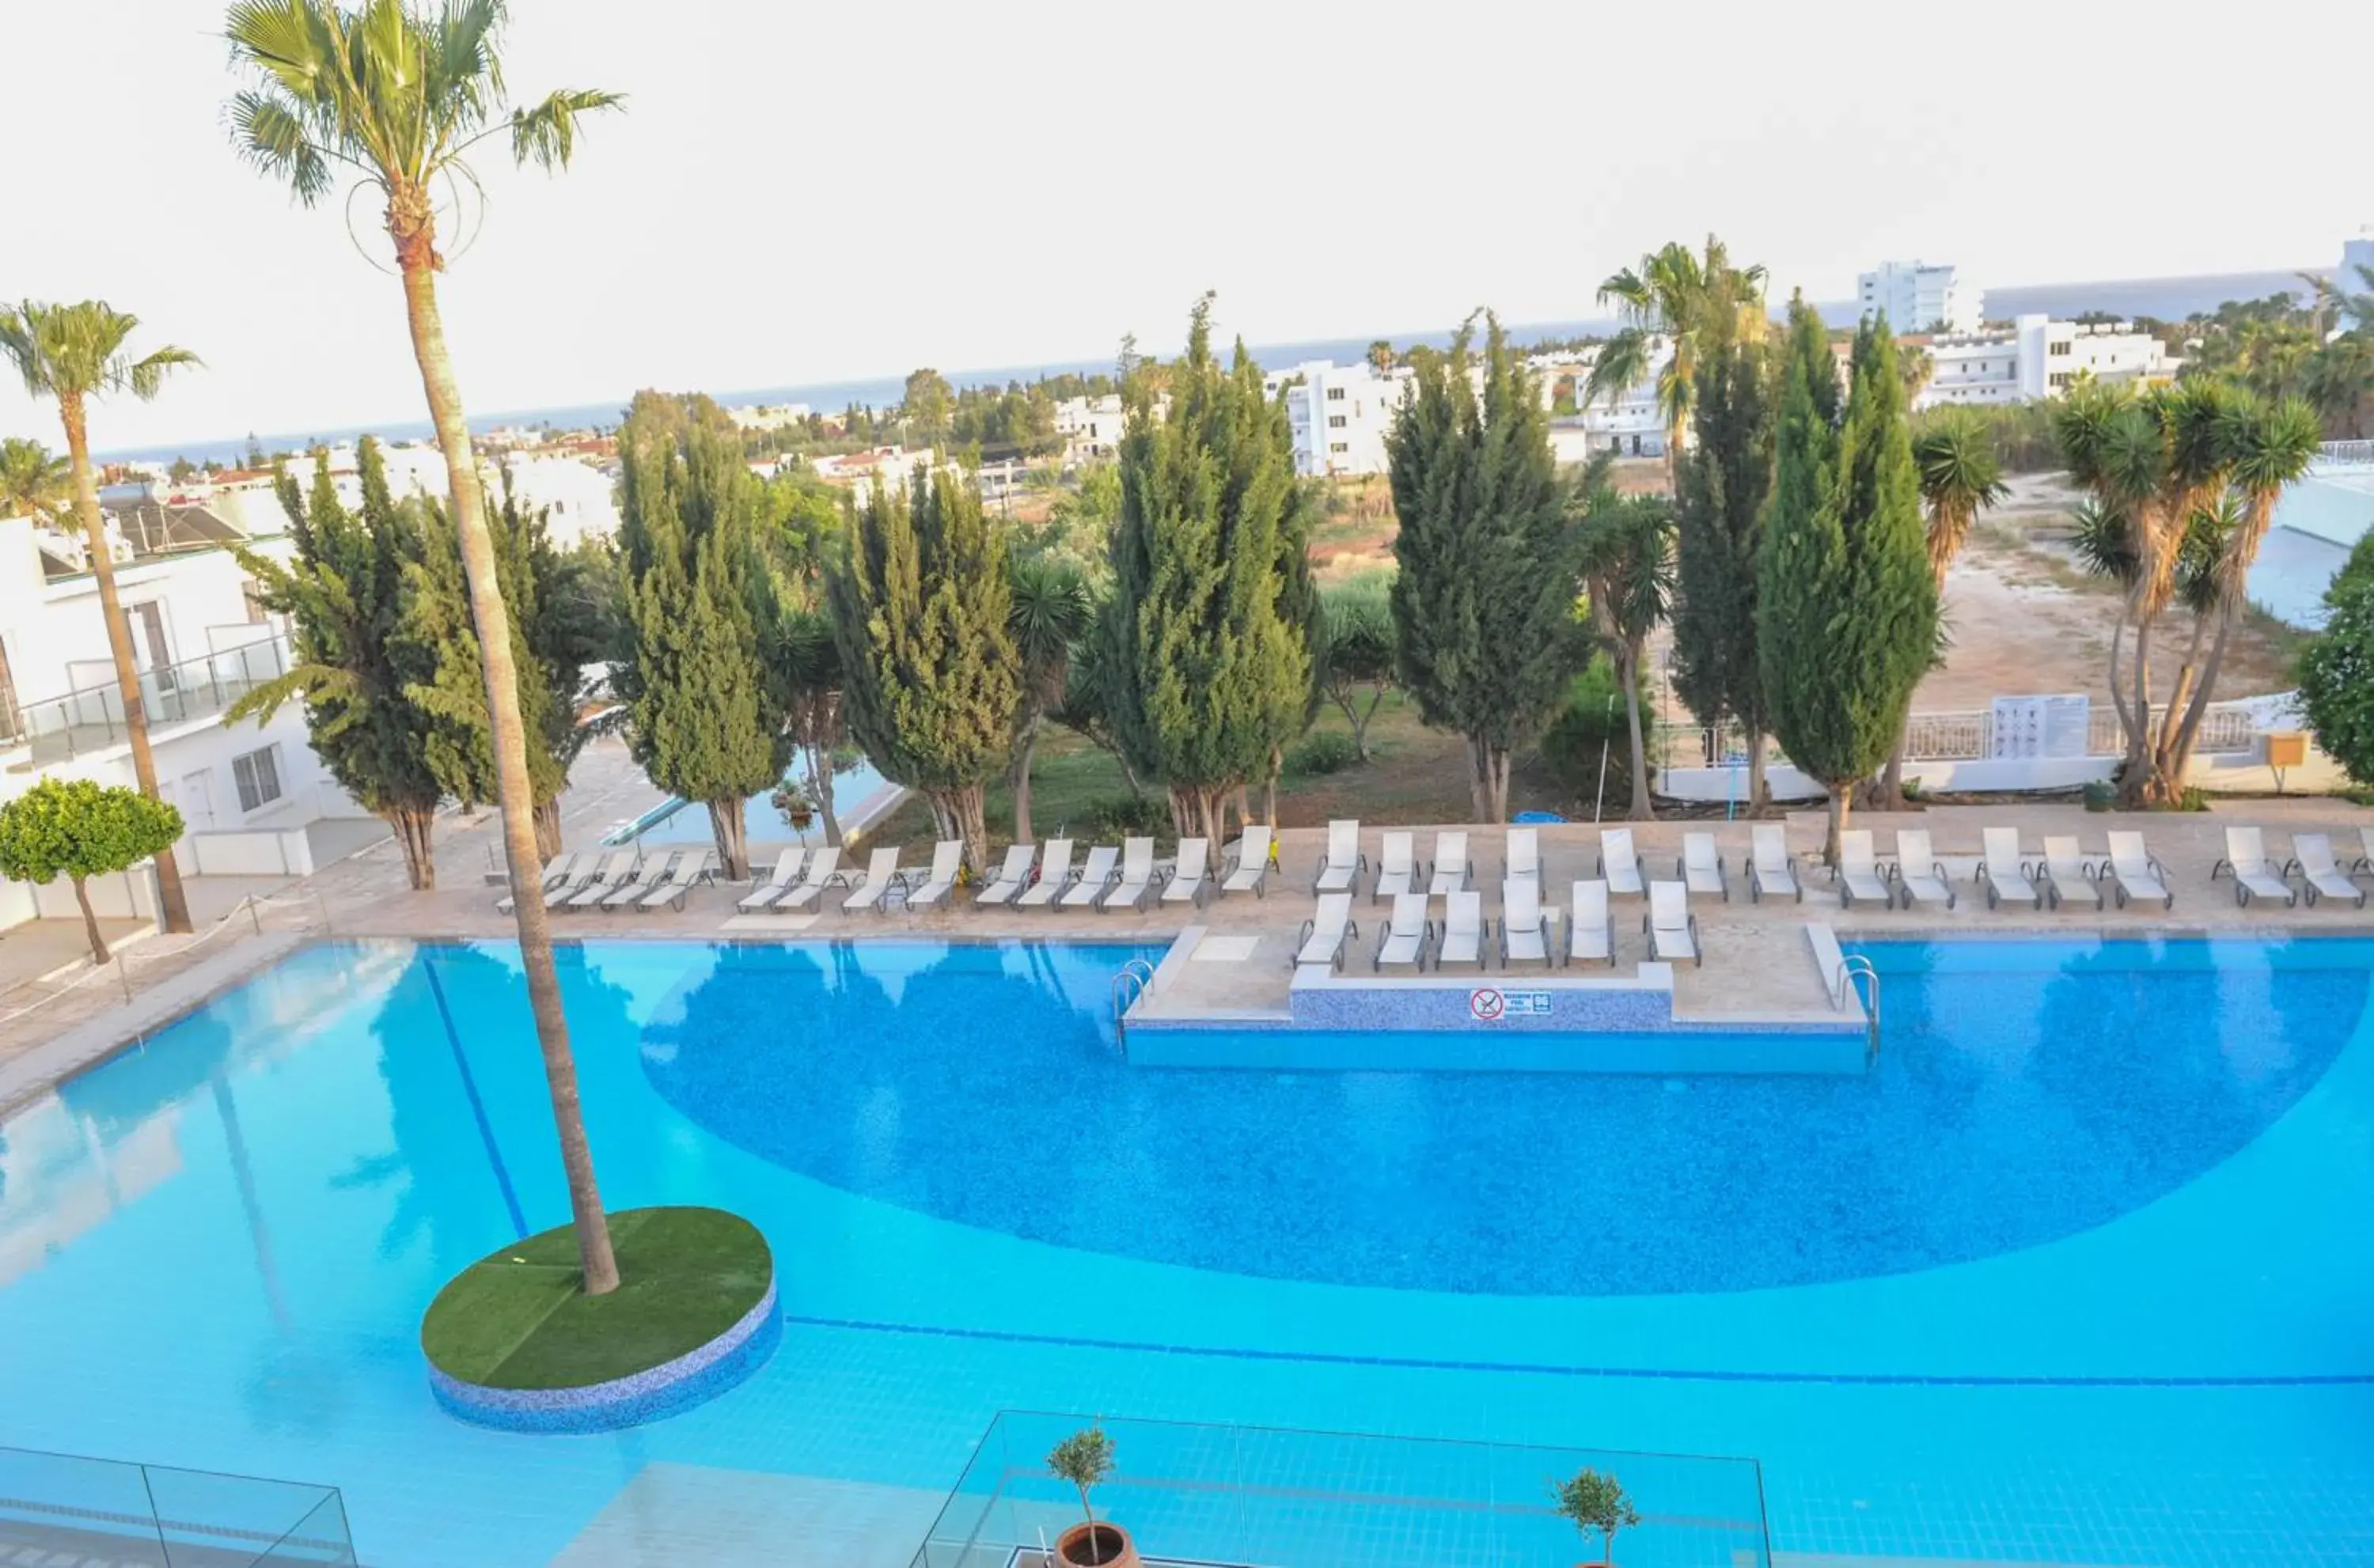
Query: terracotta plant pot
[[1112, 1547]]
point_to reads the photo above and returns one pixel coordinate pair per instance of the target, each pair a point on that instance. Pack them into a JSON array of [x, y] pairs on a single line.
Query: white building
[[2039, 357], [1630, 422], [1090, 426], [768, 415], [1914, 297], [1339, 413]]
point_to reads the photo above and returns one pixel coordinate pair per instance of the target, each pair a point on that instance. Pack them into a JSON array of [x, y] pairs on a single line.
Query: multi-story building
[[2039, 357], [1090, 426], [1628, 422], [1339, 413], [1915, 297]]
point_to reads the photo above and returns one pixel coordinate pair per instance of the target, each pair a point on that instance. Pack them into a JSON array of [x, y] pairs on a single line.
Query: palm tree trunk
[[173, 906], [1627, 670], [514, 789], [90, 923], [548, 827], [2181, 753], [1019, 777]]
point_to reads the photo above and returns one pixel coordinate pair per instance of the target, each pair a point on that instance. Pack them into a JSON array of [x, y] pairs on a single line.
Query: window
[[257, 773], [1334, 394], [2058, 350], [1334, 421], [2058, 379], [250, 594], [1339, 446]]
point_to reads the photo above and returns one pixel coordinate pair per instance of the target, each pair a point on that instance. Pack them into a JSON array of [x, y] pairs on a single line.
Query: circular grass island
[[513, 1341]]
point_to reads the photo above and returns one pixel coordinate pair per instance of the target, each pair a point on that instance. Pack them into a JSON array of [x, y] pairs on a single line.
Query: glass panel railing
[[77, 1509], [91, 718]]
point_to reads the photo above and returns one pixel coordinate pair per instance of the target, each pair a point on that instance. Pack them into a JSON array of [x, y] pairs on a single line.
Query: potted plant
[[1084, 1459], [793, 803], [1596, 1501]]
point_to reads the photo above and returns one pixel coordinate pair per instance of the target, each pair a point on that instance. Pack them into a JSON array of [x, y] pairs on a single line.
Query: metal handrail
[[1134, 976], [1852, 967]]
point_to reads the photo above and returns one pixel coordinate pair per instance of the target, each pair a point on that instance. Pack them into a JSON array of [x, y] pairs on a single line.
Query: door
[[198, 800]]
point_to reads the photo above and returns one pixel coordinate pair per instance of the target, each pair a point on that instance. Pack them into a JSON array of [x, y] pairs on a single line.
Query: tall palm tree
[[33, 482], [1049, 614], [75, 353], [1677, 295], [1627, 545], [395, 100]]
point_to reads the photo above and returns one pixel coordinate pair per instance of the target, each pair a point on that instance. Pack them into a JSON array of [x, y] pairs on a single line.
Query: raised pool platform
[[1518, 1020]]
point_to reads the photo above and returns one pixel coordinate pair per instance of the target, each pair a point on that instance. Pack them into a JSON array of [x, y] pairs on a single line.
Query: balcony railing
[[2346, 454], [64, 1509], [91, 718], [1956, 737]]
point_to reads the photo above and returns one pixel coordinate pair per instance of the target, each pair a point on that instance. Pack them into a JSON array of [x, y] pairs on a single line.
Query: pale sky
[[818, 192]]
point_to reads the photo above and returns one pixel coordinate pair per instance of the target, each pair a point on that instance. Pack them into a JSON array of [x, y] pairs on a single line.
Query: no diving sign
[[1489, 1006], [1486, 1004]]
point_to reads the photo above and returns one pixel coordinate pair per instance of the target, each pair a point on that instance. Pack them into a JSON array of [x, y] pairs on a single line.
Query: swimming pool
[[860, 794], [2078, 1275]]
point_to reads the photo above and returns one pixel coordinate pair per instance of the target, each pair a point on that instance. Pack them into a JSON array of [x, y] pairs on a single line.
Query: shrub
[[1328, 751], [1128, 816], [1589, 724]]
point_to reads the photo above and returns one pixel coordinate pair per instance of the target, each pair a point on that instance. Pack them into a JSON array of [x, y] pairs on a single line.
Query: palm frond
[[1622, 359], [269, 131], [547, 134], [146, 376]]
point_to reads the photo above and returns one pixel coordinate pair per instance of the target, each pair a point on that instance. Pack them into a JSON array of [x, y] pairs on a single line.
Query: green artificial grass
[[517, 1318]]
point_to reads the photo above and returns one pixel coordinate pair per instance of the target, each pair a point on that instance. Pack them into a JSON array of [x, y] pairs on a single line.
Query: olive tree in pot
[[1596, 1501], [1084, 1459]]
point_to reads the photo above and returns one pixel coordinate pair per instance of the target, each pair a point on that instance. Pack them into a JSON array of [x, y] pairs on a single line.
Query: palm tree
[[1627, 545], [1678, 295], [33, 482], [1051, 614], [75, 353], [395, 100]]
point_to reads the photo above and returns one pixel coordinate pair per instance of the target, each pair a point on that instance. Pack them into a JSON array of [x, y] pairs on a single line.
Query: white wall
[[2238, 773]]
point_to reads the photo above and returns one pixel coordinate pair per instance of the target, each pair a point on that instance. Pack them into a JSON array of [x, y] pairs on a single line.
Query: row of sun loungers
[[622, 879], [1030, 877], [1410, 938]]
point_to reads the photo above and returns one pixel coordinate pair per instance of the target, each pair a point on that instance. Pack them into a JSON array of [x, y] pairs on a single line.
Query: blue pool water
[[856, 794], [2079, 1274]]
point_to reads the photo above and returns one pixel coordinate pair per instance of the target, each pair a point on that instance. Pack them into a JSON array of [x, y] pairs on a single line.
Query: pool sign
[[1527, 1004], [1490, 1006], [1486, 1004]]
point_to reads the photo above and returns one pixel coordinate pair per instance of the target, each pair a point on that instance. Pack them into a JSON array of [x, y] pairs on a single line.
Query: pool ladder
[[1127, 987], [1852, 967]]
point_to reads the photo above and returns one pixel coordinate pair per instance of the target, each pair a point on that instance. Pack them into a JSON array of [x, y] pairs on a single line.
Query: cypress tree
[[708, 725], [1848, 611], [1208, 663], [1484, 618], [931, 682], [1726, 475]]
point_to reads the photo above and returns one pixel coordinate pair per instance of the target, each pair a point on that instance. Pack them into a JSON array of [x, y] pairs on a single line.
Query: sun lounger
[[1191, 880], [1858, 874], [1055, 877], [1770, 870], [1096, 878], [1522, 857], [2313, 856], [1397, 867], [557, 870], [1136, 883], [1402, 944], [2002, 873], [2134, 873], [627, 891], [2364, 861], [1524, 928], [824, 871], [1012, 877], [1464, 930], [2066, 871], [1447, 872], [873, 890], [2255, 876], [938, 885], [1590, 930], [587, 895], [1249, 873], [1673, 930], [1619, 864], [1325, 933], [1340, 867], [1700, 867], [787, 872], [1918, 873], [672, 886]]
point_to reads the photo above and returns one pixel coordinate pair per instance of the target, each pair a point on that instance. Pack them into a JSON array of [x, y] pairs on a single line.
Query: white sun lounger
[[1340, 867], [1055, 877], [1590, 930], [1402, 944], [2255, 876], [1918, 873], [616, 866], [1700, 867], [1619, 864], [2065, 871], [1136, 883], [1673, 930], [939, 884], [1858, 874], [824, 871], [2002, 873], [1191, 878], [1249, 873], [1397, 867], [1447, 872], [787, 872], [1325, 933], [1095, 880], [2313, 856], [1464, 930], [628, 890], [1522, 856], [2364, 861], [671, 887], [1524, 928], [558, 871], [872, 891], [2134, 873], [1770, 870], [1012, 877]]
